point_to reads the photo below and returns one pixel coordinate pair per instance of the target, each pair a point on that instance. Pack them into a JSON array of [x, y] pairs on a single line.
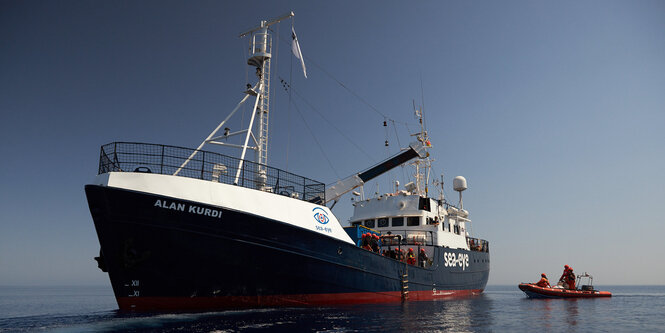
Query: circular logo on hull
[[320, 215]]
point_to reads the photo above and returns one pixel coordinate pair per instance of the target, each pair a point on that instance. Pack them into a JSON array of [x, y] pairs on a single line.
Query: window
[[413, 221], [355, 224], [369, 223], [383, 222], [423, 204], [398, 221]]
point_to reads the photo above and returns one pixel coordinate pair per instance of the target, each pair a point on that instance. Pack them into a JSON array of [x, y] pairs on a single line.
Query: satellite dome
[[459, 184]]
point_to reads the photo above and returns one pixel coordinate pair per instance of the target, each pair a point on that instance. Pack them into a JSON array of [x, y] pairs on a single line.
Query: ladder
[[404, 278]]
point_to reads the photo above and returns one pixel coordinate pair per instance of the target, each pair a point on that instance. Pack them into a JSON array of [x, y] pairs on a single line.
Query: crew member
[[375, 243], [564, 277], [571, 279], [544, 282], [422, 258], [366, 242], [400, 254], [410, 257], [390, 253]]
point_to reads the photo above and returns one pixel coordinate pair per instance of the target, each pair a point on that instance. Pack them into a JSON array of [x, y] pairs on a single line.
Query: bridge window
[[369, 223], [383, 222], [357, 223], [423, 204], [413, 221], [398, 221]]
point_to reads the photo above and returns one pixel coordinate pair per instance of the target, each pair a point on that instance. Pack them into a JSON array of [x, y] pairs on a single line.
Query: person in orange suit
[[564, 276], [570, 279], [410, 257], [544, 282]]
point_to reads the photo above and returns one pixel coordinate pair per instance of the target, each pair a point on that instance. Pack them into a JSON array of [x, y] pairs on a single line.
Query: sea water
[[498, 309]]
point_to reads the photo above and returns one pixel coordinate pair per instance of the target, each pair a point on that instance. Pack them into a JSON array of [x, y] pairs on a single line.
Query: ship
[[191, 229]]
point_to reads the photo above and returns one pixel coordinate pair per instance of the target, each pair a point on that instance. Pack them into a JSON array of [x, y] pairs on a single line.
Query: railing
[[407, 237], [479, 245], [206, 165]]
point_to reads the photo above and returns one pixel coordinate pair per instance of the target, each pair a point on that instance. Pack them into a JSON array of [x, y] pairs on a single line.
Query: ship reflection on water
[[498, 309]]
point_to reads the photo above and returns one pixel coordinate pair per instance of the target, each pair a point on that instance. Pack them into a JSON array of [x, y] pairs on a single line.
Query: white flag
[[295, 47]]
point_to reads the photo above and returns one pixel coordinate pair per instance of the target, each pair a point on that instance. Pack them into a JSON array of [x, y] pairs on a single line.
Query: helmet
[[566, 267], [410, 249], [422, 250], [543, 275]]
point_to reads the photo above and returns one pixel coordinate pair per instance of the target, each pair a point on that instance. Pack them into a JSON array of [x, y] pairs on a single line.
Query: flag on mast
[[295, 47]]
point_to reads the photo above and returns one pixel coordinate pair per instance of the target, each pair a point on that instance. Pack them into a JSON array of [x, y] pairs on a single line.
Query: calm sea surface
[[499, 309]]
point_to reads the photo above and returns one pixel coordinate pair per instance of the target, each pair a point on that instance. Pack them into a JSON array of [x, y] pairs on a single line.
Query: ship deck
[[207, 165]]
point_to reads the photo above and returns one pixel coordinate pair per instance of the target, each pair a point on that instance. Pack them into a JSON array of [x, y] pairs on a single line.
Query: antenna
[[423, 165], [422, 98], [439, 183]]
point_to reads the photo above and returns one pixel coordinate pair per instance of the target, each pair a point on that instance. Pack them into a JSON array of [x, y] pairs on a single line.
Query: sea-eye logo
[[320, 215]]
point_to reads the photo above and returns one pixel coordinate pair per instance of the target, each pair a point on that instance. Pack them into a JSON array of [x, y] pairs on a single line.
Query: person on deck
[[544, 282], [410, 257], [366, 242], [390, 253], [375, 243], [422, 258]]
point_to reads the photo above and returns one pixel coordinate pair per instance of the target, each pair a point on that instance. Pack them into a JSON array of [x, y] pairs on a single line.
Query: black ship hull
[[161, 257]]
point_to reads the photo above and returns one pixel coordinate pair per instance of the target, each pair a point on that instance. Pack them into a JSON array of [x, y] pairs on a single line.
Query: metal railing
[[408, 237], [206, 165]]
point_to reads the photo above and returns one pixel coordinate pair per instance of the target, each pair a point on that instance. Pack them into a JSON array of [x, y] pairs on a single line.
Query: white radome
[[459, 184]]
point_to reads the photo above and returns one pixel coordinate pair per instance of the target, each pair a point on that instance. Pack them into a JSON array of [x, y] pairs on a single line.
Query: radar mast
[[260, 47]]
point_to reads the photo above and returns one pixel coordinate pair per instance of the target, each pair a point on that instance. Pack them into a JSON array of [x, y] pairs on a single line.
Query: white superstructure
[[411, 216], [417, 219]]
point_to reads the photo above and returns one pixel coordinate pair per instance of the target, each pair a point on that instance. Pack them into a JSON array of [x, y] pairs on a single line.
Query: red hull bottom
[[240, 302]]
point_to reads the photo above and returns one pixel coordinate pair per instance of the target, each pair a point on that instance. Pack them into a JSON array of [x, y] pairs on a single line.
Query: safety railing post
[[161, 163], [203, 164]]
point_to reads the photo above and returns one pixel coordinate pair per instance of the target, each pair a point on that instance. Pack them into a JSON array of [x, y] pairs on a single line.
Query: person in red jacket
[[564, 276], [544, 282], [366, 242], [570, 279], [565, 273], [410, 257]]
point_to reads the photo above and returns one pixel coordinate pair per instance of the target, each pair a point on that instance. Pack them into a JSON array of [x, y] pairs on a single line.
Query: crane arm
[[341, 187]]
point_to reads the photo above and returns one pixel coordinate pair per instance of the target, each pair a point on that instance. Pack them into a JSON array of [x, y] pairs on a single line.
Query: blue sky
[[553, 111]]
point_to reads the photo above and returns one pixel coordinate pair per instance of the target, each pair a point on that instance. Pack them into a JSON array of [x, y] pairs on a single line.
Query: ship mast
[[422, 166], [260, 47], [260, 55]]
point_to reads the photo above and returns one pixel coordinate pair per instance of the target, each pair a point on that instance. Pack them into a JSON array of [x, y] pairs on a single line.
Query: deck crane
[[341, 187]]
